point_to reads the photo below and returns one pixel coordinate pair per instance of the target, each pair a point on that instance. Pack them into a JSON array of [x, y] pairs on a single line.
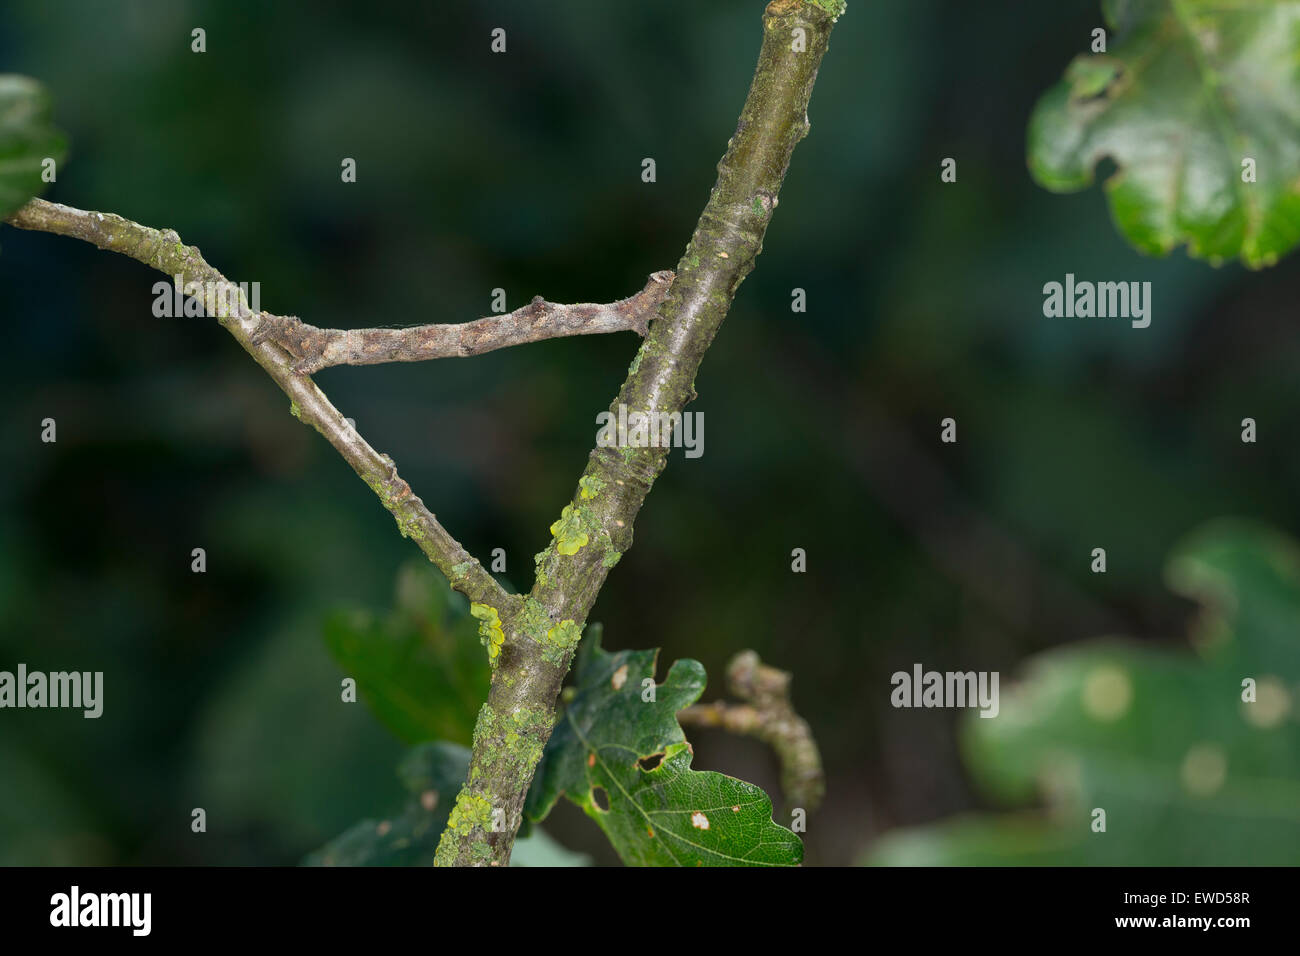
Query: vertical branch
[[595, 528]]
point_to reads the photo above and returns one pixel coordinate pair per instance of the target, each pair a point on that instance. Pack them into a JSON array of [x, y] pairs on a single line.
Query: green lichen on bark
[[561, 640], [163, 250], [471, 810], [490, 631], [570, 538], [506, 742], [595, 528], [531, 622], [835, 8]]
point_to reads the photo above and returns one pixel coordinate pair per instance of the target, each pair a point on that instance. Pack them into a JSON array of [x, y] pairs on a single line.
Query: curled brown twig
[[767, 714]]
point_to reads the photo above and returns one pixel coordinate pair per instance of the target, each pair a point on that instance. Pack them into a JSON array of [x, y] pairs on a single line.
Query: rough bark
[[538, 634], [163, 250], [314, 349], [532, 638]]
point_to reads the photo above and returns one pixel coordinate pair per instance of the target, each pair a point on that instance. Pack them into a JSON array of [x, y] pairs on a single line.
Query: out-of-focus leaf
[[626, 762], [1013, 840], [27, 138], [42, 822], [421, 668], [1187, 772], [274, 749], [540, 849], [432, 774], [1183, 95]]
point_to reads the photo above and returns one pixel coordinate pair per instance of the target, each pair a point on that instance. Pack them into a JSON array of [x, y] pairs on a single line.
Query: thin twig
[[596, 527], [164, 251], [314, 349], [767, 715]]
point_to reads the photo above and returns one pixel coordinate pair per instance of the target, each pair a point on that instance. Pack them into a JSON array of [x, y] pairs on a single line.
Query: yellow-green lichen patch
[[471, 810], [539, 560], [514, 738], [611, 558], [589, 486], [557, 640], [532, 621], [410, 526], [835, 8], [569, 536], [560, 641], [490, 631]]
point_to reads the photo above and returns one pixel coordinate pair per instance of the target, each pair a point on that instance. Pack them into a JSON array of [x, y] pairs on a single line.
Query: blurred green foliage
[[521, 171], [1191, 765], [27, 140], [1196, 104], [432, 774], [421, 668]]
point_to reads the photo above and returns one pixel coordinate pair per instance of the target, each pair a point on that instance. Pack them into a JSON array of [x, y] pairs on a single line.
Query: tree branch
[[537, 634], [595, 528], [314, 349], [768, 715], [164, 251]]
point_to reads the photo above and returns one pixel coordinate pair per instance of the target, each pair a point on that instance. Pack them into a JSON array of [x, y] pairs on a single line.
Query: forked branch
[[164, 251], [595, 528]]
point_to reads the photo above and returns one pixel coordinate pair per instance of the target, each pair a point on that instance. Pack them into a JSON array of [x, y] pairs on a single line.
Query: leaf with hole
[[619, 753], [1198, 104]]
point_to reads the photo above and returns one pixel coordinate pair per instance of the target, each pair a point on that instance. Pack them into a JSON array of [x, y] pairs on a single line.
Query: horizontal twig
[[314, 348]]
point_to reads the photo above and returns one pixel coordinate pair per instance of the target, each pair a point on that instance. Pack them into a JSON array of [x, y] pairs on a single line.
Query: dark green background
[[522, 171]]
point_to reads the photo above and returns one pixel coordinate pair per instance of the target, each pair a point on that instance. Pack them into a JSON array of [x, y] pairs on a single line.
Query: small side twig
[[163, 250], [769, 716], [314, 348]]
